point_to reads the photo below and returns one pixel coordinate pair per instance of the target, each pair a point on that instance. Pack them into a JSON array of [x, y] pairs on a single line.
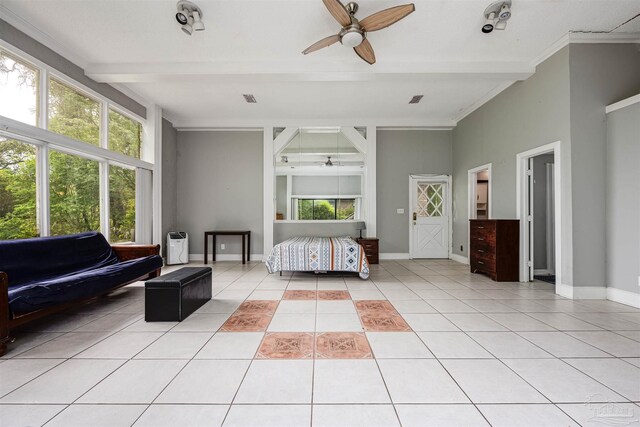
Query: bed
[[319, 254]]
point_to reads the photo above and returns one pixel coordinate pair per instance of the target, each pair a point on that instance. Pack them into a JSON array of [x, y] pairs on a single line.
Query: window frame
[[44, 140]]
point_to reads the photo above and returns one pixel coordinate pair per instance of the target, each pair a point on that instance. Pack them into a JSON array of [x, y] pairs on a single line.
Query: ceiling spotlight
[[198, 25], [284, 159], [488, 23], [189, 16], [188, 27], [496, 16]]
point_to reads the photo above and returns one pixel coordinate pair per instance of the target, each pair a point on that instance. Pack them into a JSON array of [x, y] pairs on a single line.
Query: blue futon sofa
[[45, 275]]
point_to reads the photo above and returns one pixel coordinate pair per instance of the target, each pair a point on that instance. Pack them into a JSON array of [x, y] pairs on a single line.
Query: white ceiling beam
[[250, 124], [355, 137], [283, 139], [294, 71]]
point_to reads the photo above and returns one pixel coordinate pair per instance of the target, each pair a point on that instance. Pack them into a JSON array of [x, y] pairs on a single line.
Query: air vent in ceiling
[[416, 99], [249, 98]]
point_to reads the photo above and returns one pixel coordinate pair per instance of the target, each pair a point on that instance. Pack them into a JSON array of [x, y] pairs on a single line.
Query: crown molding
[[483, 100], [622, 104], [569, 38]]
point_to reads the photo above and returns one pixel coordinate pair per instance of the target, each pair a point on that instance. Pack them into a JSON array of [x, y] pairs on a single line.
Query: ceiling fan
[[354, 32]]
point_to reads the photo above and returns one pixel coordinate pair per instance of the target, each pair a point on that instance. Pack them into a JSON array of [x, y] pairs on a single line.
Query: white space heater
[[177, 247]]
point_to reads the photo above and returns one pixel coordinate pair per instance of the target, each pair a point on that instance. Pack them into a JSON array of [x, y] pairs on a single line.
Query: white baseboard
[[391, 255], [624, 297], [581, 292], [589, 292], [460, 259], [224, 257], [542, 272], [564, 290]]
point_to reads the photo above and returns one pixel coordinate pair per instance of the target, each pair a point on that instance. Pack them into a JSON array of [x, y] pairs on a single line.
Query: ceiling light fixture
[[329, 162], [189, 16], [496, 16]]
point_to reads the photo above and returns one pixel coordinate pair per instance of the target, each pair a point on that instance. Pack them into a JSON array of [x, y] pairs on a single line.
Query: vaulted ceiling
[[254, 46]]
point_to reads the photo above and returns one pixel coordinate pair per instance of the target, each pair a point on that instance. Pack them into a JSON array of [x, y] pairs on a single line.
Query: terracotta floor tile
[[384, 322], [375, 306], [333, 295], [246, 322], [342, 345], [258, 307], [286, 345], [299, 295]]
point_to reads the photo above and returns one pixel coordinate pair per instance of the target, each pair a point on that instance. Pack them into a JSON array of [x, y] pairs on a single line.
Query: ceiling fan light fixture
[[352, 38]]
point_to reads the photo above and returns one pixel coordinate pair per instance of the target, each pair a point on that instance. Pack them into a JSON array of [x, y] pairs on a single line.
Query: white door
[[430, 221]]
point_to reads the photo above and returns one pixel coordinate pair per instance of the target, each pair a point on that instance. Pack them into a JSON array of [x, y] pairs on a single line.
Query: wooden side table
[[213, 234], [370, 246]]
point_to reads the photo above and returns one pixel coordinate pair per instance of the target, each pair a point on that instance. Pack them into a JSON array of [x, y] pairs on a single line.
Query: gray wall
[[169, 180], [510, 123], [401, 153], [601, 74], [540, 210], [220, 187], [528, 114], [39, 51], [623, 199]]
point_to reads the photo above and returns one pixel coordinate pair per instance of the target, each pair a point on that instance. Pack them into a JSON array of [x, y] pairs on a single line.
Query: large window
[[125, 134], [18, 210], [18, 89], [73, 114], [74, 190], [122, 203], [83, 178], [326, 209]]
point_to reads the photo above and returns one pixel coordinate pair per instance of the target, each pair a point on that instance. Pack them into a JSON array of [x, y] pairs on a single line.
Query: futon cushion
[[49, 292], [33, 260]]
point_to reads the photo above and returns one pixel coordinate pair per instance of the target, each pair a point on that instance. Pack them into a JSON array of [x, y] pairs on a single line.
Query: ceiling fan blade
[[386, 17], [365, 51], [327, 41], [338, 11]]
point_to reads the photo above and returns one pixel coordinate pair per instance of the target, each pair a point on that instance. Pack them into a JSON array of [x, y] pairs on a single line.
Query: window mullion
[[104, 125], [42, 190], [104, 200], [43, 99]]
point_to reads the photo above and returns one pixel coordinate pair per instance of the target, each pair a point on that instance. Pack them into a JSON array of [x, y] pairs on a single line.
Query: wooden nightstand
[[370, 246]]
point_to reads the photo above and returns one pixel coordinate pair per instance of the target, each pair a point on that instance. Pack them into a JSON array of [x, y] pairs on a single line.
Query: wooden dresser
[[370, 246], [494, 248]]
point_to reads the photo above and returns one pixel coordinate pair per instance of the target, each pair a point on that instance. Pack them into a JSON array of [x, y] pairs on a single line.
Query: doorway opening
[[479, 180], [541, 207], [430, 220], [538, 209]]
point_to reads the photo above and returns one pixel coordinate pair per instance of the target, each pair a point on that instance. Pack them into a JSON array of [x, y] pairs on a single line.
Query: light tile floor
[[476, 353]]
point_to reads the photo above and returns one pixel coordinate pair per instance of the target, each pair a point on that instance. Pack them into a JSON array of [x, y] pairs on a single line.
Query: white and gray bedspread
[[318, 254]]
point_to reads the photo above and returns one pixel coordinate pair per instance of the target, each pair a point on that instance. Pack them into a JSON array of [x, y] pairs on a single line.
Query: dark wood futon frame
[[9, 322]]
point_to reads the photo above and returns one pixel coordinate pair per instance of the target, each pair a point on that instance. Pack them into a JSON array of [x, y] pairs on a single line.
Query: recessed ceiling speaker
[[496, 16]]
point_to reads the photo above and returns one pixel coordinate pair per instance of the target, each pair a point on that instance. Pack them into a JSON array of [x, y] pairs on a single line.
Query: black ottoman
[[174, 296]]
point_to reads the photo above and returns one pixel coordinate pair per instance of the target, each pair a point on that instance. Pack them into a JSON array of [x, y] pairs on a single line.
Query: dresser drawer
[[370, 248], [484, 265]]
